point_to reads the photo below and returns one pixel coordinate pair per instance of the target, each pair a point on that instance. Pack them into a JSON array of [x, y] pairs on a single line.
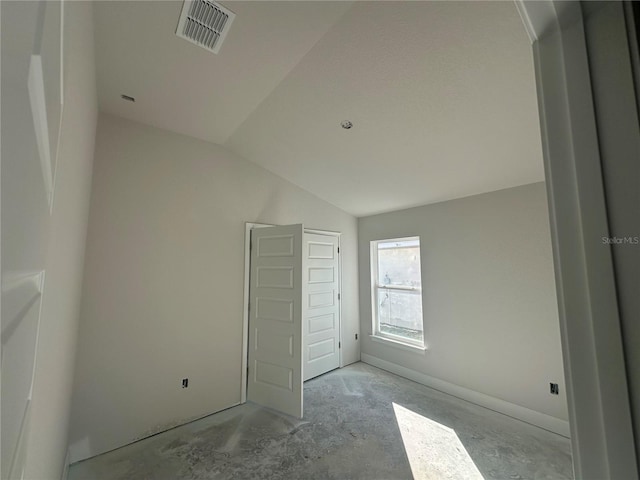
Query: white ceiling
[[441, 94], [186, 89]]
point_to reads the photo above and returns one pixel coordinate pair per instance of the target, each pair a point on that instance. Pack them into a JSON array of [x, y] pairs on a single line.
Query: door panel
[[275, 319], [321, 299], [321, 326]]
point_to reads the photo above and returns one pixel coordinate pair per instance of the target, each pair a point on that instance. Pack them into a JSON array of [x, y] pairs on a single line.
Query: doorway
[[291, 328]]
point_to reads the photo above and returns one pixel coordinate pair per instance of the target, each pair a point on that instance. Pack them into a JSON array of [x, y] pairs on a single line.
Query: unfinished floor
[[360, 423]]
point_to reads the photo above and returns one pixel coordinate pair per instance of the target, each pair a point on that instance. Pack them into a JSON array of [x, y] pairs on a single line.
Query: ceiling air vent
[[204, 23]]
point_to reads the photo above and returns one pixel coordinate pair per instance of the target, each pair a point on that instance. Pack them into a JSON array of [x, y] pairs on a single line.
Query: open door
[[275, 319]]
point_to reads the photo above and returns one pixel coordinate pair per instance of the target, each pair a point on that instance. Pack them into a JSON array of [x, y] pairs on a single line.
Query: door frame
[[600, 418], [248, 226]]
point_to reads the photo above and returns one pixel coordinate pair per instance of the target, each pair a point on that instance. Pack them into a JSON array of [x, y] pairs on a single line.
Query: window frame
[[377, 334]]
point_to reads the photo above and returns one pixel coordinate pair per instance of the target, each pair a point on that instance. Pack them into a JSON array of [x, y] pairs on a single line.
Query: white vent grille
[[204, 23]]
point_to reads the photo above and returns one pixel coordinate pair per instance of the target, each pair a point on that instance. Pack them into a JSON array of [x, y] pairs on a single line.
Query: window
[[397, 290]]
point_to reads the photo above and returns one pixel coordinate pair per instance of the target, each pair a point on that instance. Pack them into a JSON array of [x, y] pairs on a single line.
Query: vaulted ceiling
[[441, 94]]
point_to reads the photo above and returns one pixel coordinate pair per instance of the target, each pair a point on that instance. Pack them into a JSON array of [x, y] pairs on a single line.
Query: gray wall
[[35, 238], [489, 303], [163, 286]]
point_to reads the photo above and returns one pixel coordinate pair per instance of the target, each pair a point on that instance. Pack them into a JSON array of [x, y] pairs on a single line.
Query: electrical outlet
[[185, 382], [553, 389]]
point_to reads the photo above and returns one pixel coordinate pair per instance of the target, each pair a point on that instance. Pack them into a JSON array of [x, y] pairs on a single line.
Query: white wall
[[163, 287], [489, 303], [35, 239]]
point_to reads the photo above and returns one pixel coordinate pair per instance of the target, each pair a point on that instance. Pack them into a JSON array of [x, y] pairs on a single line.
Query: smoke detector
[[204, 23]]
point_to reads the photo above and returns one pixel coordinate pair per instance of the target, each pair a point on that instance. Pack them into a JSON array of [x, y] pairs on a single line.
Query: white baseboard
[[542, 420]]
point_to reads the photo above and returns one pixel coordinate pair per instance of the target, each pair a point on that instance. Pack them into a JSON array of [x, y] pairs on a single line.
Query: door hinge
[[339, 344], [338, 249], [249, 307], [338, 296]]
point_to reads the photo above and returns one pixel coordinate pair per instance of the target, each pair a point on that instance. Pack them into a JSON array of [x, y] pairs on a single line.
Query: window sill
[[405, 346]]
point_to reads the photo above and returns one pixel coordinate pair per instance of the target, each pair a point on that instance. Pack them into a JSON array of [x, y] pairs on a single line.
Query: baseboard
[[542, 420]]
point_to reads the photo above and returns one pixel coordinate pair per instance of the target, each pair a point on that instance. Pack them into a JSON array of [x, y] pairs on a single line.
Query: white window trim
[[377, 335], [399, 344]]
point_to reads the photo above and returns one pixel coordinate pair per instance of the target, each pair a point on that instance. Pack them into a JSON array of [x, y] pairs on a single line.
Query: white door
[[321, 310], [275, 319]]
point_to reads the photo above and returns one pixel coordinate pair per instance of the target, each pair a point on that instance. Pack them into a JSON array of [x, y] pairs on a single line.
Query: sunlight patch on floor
[[434, 451]]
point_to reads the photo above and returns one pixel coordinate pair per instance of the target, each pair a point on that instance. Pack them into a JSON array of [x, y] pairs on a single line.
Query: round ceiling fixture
[[346, 124]]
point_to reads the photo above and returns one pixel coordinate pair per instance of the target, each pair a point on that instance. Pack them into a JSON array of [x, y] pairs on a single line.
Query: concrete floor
[[360, 423]]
